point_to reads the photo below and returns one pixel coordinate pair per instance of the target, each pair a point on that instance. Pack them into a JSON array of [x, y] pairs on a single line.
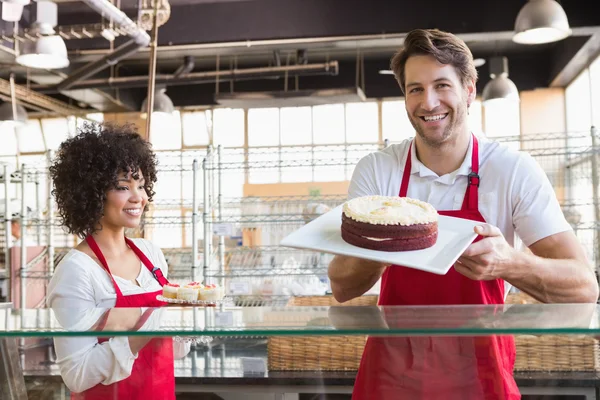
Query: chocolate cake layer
[[388, 231], [404, 244]]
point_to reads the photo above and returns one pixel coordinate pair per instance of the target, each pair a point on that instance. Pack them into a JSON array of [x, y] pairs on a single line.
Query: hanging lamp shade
[[47, 52], [162, 103], [500, 87], [541, 21]]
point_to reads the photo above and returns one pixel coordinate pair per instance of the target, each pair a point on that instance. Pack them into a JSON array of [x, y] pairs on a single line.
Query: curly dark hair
[[87, 166]]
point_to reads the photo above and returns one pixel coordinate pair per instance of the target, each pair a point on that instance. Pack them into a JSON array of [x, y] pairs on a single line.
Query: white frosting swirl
[[388, 210]]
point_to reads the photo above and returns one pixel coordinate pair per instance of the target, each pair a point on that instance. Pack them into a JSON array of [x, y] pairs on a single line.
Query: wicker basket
[[554, 352], [318, 353]]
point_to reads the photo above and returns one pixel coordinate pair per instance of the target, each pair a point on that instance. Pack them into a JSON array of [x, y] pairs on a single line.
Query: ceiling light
[[162, 103], [500, 87], [541, 21], [478, 62], [386, 72], [47, 52], [10, 118]]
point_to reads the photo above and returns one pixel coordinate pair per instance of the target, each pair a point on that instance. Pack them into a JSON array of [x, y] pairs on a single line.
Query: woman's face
[[126, 202]]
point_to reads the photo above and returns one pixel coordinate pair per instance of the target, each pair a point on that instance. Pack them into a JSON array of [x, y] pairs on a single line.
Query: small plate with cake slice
[[393, 230]]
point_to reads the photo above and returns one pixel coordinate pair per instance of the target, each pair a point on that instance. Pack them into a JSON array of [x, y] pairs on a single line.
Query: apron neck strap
[[471, 200], [155, 271], [96, 249]]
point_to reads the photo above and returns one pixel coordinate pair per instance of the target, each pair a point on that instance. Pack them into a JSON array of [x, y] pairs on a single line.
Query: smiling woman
[[103, 180]]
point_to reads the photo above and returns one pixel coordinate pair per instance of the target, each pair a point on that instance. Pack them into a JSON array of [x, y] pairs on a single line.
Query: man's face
[[436, 99]]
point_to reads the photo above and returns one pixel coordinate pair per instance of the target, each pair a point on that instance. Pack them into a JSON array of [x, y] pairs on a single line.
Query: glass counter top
[[473, 320]]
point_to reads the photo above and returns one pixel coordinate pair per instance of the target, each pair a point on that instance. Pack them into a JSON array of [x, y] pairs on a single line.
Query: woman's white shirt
[[79, 293]]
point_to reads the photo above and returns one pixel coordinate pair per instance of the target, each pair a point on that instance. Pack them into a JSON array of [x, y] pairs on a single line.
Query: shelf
[[476, 320]]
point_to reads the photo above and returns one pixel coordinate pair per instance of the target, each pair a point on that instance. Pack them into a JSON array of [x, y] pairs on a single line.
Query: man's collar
[[417, 167]]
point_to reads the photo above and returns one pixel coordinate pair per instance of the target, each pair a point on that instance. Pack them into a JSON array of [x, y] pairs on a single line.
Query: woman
[[103, 180]]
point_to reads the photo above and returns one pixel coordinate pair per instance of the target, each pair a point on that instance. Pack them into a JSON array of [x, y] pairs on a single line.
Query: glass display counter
[[305, 349]]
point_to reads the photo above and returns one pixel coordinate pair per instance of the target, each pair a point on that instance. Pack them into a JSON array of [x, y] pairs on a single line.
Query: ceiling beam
[[570, 60]]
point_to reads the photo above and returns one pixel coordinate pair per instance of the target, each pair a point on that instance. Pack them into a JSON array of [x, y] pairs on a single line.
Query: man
[[465, 177]]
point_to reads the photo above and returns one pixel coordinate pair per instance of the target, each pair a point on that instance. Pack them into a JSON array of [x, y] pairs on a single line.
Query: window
[[56, 131], [263, 127], [396, 125], [30, 137], [9, 140], [296, 126], [168, 183], [476, 118], [228, 127], [595, 88], [361, 123], [263, 165], [196, 128], [165, 131], [577, 99], [329, 125], [502, 118]]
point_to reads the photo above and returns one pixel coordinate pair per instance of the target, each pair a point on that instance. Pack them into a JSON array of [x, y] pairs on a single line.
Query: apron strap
[[96, 249], [471, 200], [155, 271], [406, 174]]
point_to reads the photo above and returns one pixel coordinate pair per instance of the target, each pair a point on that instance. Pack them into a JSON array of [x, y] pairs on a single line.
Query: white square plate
[[324, 235]]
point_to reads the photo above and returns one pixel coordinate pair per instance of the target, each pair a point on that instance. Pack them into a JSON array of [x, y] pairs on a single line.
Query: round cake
[[389, 223]]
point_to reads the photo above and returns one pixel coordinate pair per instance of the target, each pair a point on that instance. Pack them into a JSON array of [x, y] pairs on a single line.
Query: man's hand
[[488, 258]]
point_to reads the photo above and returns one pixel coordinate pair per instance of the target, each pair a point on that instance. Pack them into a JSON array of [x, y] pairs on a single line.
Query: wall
[[543, 111], [296, 189], [134, 118]]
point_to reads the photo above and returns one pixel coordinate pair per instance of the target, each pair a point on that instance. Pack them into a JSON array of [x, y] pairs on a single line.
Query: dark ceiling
[[246, 33]]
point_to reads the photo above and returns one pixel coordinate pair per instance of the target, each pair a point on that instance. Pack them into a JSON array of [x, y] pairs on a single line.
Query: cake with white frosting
[[389, 223]]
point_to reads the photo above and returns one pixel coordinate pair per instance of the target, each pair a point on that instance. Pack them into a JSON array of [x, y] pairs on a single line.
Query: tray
[[324, 234]]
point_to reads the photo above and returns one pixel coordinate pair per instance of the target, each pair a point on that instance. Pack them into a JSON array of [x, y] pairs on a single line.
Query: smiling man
[[466, 177]]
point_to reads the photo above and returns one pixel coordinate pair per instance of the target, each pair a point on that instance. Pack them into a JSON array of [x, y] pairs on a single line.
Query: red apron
[[152, 376], [431, 368]]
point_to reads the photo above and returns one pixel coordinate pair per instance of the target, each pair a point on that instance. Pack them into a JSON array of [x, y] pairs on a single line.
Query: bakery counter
[[235, 348], [230, 367]]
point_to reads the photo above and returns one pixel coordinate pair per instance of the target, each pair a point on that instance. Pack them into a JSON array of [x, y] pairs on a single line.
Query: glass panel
[[279, 320], [9, 140], [168, 183], [476, 118], [396, 125], [56, 130], [296, 125], [362, 123], [165, 132], [196, 127], [228, 127], [263, 127], [502, 118], [329, 125], [30, 137]]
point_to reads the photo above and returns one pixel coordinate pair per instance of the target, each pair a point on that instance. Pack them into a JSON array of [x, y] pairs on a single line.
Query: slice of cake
[[170, 290], [189, 292], [211, 293], [389, 223]]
